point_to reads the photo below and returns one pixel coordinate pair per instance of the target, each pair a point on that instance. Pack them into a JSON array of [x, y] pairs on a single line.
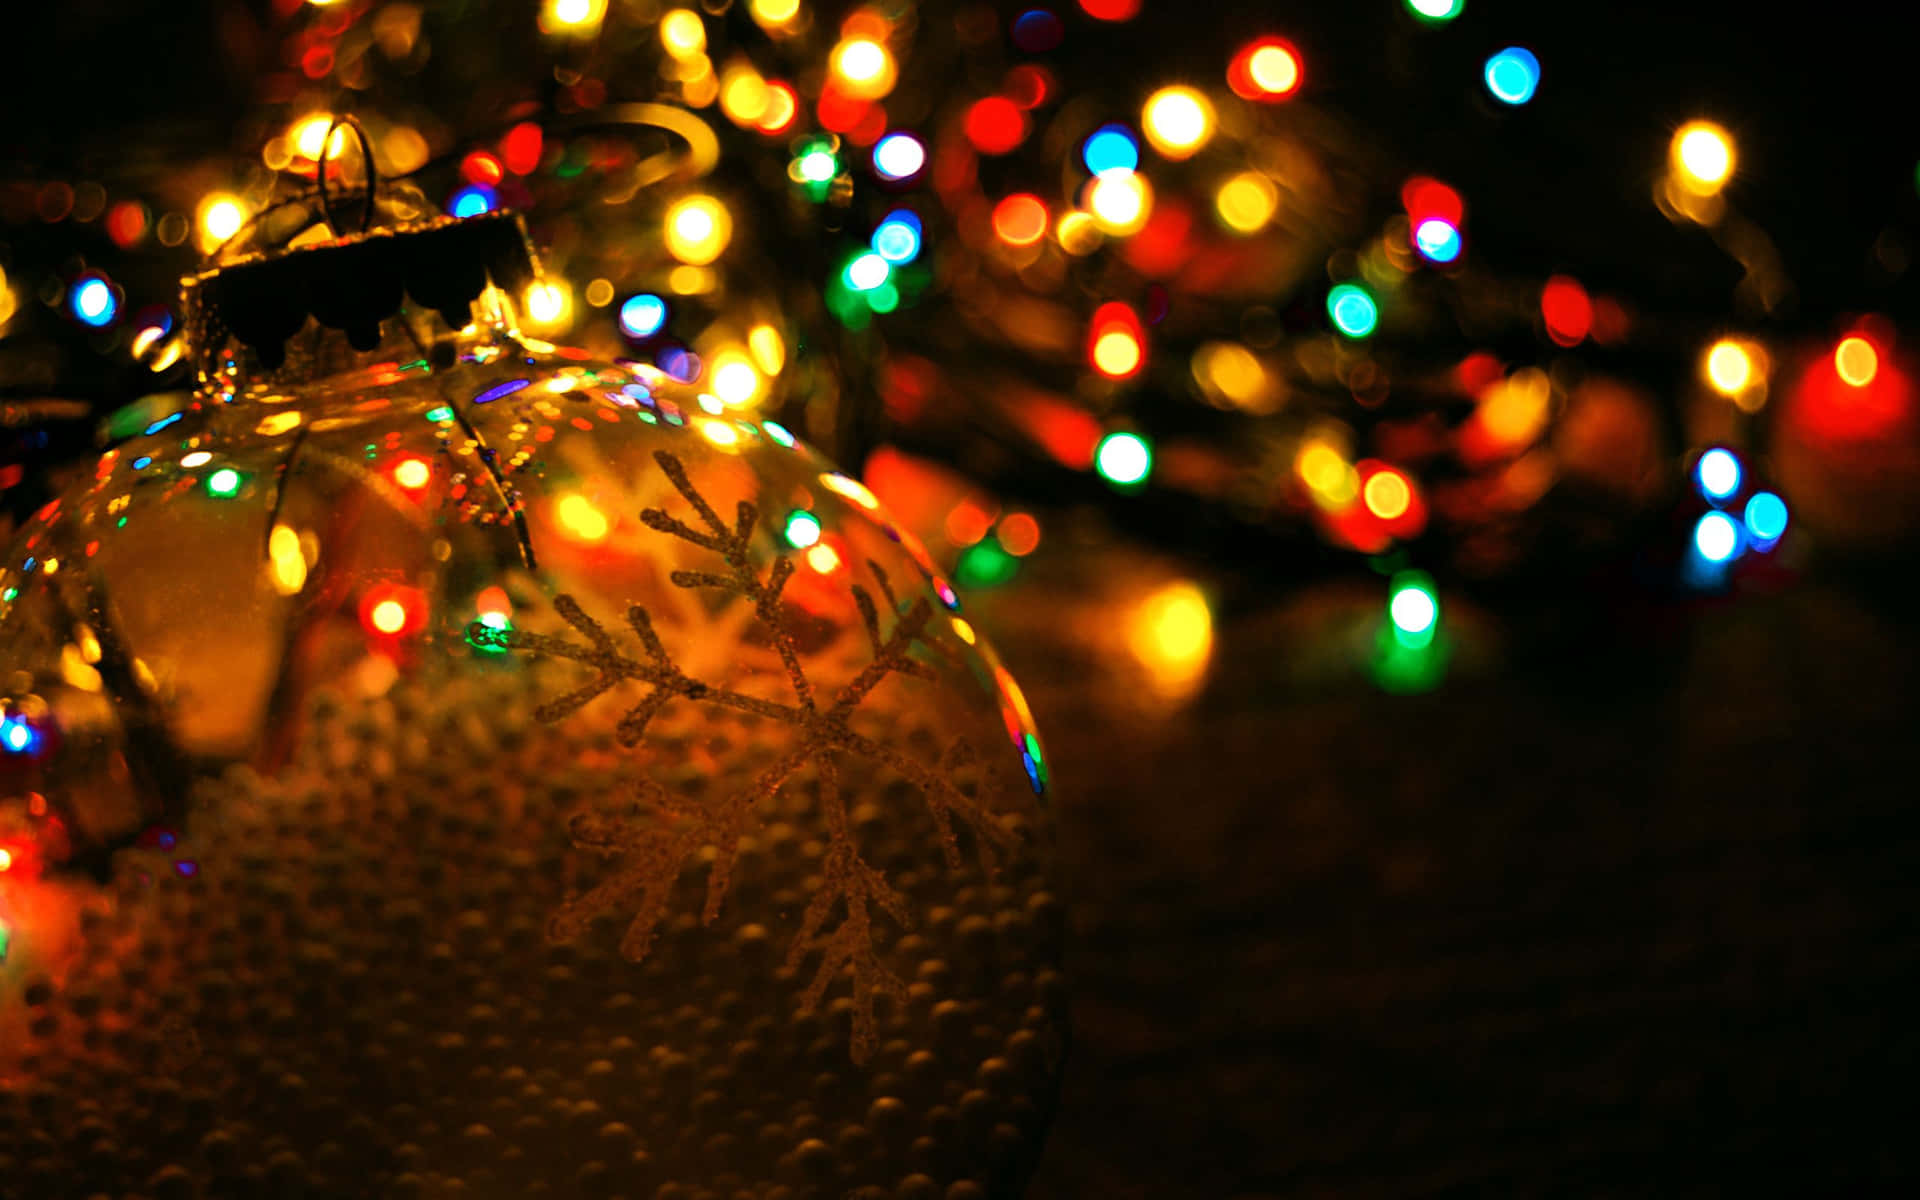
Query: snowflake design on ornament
[[650, 853]]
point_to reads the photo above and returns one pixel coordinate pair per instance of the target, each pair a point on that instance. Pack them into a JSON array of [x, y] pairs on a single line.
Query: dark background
[[1547, 930]]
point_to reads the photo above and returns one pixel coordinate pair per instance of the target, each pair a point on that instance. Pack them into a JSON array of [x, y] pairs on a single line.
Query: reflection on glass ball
[[443, 772]]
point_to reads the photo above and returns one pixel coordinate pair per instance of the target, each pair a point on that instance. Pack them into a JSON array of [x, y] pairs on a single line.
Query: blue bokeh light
[[1766, 517], [899, 156], [1513, 75], [1110, 148], [1717, 474], [898, 237], [643, 315], [472, 200], [93, 302], [1717, 538], [1437, 240]]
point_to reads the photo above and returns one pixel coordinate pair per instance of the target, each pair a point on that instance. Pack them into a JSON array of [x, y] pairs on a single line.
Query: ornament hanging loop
[[339, 122]]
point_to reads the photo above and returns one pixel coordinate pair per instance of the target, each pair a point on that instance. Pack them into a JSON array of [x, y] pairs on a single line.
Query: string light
[[225, 483], [1265, 70], [1020, 219], [1437, 240], [1436, 11], [412, 473]]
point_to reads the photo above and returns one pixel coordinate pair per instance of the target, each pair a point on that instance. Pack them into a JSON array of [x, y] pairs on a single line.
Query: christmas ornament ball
[[436, 762]]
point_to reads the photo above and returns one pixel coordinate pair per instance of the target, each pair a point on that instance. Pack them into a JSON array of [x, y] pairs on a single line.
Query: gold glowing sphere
[[1703, 157], [698, 229], [1120, 201], [1857, 361], [1247, 202], [1178, 121], [683, 33], [221, 216], [1729, 367]]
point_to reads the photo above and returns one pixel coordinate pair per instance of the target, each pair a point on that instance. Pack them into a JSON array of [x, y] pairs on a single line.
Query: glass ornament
[[433, 765]]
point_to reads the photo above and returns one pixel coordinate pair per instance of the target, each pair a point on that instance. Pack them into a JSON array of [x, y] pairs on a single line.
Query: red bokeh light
[[1426, 198], [1111, 10], [996, 125], [1567, 310]]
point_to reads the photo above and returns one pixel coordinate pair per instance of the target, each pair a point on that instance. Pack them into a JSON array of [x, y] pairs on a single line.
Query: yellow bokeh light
[[683, 33], [1703, 157], [698, 229], [221, 216], [1121, 202], [1857, 361], [1078, 233], [1247, 202], [574, 14], [720, 433], [1274, 70], [549, 305], [1387, 495], [581, 520], [1116, 353], [851, 488], [823, 558], [768, 347], [1232, 371], [1178, 121], [389, 616], [600, 293], [286, 565], [1171, 633], [309, 135], [1729, 367], [412, 473], [964, 631], [775, 13], [734, 380], [1514, 410], [863, 68], [743, 95]]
